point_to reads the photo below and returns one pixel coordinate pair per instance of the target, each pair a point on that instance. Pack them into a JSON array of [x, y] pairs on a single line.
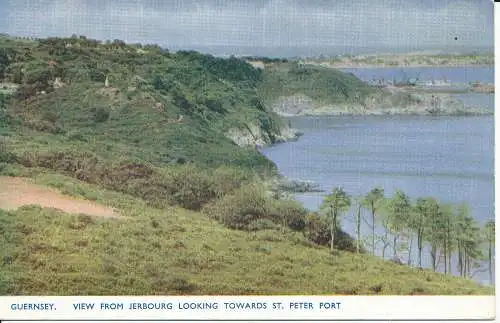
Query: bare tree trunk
[[490, 268], [373, 230], [395, 246], [358, 229], [410, 249], [460, 264], [420, 247], [332, 235], [449, 260], [445, 253], [333, 228], [433, 257], [466, 262]]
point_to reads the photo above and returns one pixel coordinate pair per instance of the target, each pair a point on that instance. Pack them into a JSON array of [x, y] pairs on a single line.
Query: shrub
[[238, 210], [188, 186], [318, 232], [81, 165], [291, 212], [101, 114], [6, 156], [262, 224], [227, 179]]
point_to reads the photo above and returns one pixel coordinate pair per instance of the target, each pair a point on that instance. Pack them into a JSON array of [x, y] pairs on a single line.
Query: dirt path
[[16, 192]]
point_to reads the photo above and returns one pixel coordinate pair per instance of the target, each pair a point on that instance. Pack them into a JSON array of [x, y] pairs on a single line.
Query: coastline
[[348, 66], [274, 182]]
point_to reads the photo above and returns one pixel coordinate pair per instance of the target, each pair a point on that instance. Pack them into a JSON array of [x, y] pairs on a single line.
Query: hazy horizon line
[[294, 51]]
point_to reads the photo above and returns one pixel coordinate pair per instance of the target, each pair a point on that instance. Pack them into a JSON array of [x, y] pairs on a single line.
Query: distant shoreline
[[347, 66]]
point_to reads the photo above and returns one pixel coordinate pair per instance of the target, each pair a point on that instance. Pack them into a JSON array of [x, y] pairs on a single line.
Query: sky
[[263, 27]]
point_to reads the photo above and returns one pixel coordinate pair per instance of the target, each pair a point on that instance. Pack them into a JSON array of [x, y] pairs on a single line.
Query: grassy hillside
[[62, 92], [175, 251], [197, 214]]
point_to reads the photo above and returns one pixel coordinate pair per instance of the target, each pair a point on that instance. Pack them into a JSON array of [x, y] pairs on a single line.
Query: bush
[[81, 165], [291, 213], [318, 232], [188, 186], [245, 206], [101, 114], [227, 179], [262, 224], [6, 156]]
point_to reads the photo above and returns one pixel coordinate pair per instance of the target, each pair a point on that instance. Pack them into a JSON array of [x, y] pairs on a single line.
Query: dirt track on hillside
[[16, 192]]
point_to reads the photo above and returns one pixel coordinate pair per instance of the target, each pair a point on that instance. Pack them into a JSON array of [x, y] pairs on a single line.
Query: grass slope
[[175, 251]]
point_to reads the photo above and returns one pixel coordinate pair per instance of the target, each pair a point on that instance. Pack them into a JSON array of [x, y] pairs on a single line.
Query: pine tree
[[372, 202], [333, 206]]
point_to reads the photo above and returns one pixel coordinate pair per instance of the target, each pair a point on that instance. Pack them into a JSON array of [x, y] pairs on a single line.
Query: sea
[[448, 158]]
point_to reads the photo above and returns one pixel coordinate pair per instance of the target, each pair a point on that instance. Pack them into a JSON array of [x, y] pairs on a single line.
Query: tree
[[358, 225], [437, 233], [372, 201], [398, 214], [333, 206], [446, 213], [425, 208], [489, 235], [467, 234]]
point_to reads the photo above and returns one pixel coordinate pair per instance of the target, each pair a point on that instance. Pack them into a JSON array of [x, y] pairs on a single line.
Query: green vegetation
[[62, 92], [172, 251], [447, 230], [323, 85], [372, 201], [334, 205], [144, 131]]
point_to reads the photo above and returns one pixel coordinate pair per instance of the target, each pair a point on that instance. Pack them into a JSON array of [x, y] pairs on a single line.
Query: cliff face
[[253, 135]]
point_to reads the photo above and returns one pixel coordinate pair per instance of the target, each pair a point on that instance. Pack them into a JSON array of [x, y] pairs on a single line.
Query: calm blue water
[[449, 158]]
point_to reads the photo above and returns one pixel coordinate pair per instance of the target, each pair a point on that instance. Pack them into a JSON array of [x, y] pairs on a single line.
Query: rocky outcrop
[[281, 187], [391, 102], [297, 186], [58, 83], [251, 135]]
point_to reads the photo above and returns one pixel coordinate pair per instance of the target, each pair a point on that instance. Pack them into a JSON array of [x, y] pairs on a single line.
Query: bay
[[448, 158]]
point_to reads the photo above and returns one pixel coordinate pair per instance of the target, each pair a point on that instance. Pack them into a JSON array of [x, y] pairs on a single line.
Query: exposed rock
[[257, 64], [159, 106], [252, 135], [249, 136], [58, 83], [293, 105], [297, 186]]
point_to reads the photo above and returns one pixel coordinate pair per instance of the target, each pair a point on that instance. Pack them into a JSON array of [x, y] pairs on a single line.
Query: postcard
[[247, 160]]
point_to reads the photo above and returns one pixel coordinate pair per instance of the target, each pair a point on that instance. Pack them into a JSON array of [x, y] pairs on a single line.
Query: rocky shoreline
[[281, 187], [254, 136]]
